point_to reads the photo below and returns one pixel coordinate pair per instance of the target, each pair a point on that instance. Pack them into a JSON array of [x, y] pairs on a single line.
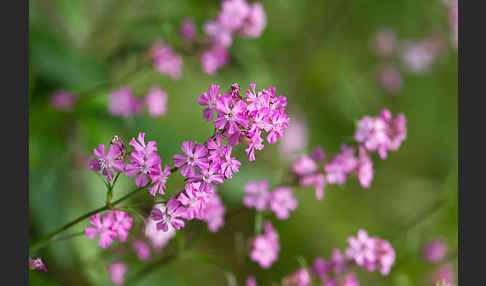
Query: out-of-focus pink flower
[[123, 103], [282, 201], [213, 212], [295, 138], [117, 272], [364, 168], [187, 29], [141, 249], [165, 60], [417, 57], [158, 238], [215, 58], [321, 268], [338, 262], [251, 281], [318, 154], [445, 274], [300, 277], [266, 246], [63, 101], [342, 164], [257, 195], [304, 165], [254, 22], [385, 41], [434, 251], [37, 264], [350, 280], [391, 80], [156, 101], [103, 228], [122, 224], [233, 13], [220, 35]]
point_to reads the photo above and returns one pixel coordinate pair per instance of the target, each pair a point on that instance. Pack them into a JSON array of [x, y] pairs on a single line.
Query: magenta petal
[[141, 180], [91, 232], [179, 160], [187, 147], [118, 165], [100, 151]]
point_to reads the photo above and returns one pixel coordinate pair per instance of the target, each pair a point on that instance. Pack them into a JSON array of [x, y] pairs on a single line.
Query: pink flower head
[[158, 238], [142, 249], [417, 57], [318, 154], [233, 13], [317, 181], [295, 138], [341, 165], [143, 166], [364, 168], [251, 281], [256, 143], [397, 131], [209, 99], [257, 195], [391, 80], [160, 180], [170, 215], [321, 268], [282, 202], [165, 60], [140, 146], [231, 115], [361, 249], [213, 212], [372, 133], [445, 274], [219, 35], [304, 165], [123, 103], [37, 264], [338, 262], [300, 277], [187, 29], [350, 280], [156, 102], [103, 228], [217, 148], [385, 41], [214, 59], [434, 251], [122, 224], [63, 101], [229, 165], [193, 199], [210, 175], [280, 122], [106, 161], [266, 247], [117, 272], [195, 155], [255, 21], [385, 256]]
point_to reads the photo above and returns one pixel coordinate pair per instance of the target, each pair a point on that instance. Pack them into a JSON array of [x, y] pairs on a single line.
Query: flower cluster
[[379, 134], [63, 101], [37, 264], [281, 200], [165, 60], [236, 17], [112, 225], [123, 103], [266, 246]]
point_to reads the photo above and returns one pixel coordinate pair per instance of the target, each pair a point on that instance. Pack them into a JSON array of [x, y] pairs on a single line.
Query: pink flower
[[117, 271], [220, 35], [103, 228], [385, 41], [210, 175], [170, 215], [362, 249], [229, 165], [372, 133], [160, 180], [141, 249], [317, 181], [123, 103], [338, 262], [37, 264], [195, 156], [391, 80], [255, 144], [165, 60], [209, 99], [158, 238], [385, 256], [364, 168], [321, 267], [445, 274], [417, 57], [231, 115], [318, 154], [118, 142], [295, 138], [257, 195], [106, 161], [266, 247], [255, 21], [143, 166], [434, 251], [187, 29], [251, 281], [193, 199], [304, 165], [63, 101], [122, 224], [350, 280], [280, 122], [397, 131], [212, 60], [233, 13], [217, 149], [300, 277], [282, 202], [341, 165], [213, 212], [156, 102], [140, 146]]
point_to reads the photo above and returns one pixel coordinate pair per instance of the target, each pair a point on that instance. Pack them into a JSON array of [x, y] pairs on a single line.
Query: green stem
[[48, 238]]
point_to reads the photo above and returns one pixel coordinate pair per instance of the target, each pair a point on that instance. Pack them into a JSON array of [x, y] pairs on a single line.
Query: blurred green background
[[318, 54]]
